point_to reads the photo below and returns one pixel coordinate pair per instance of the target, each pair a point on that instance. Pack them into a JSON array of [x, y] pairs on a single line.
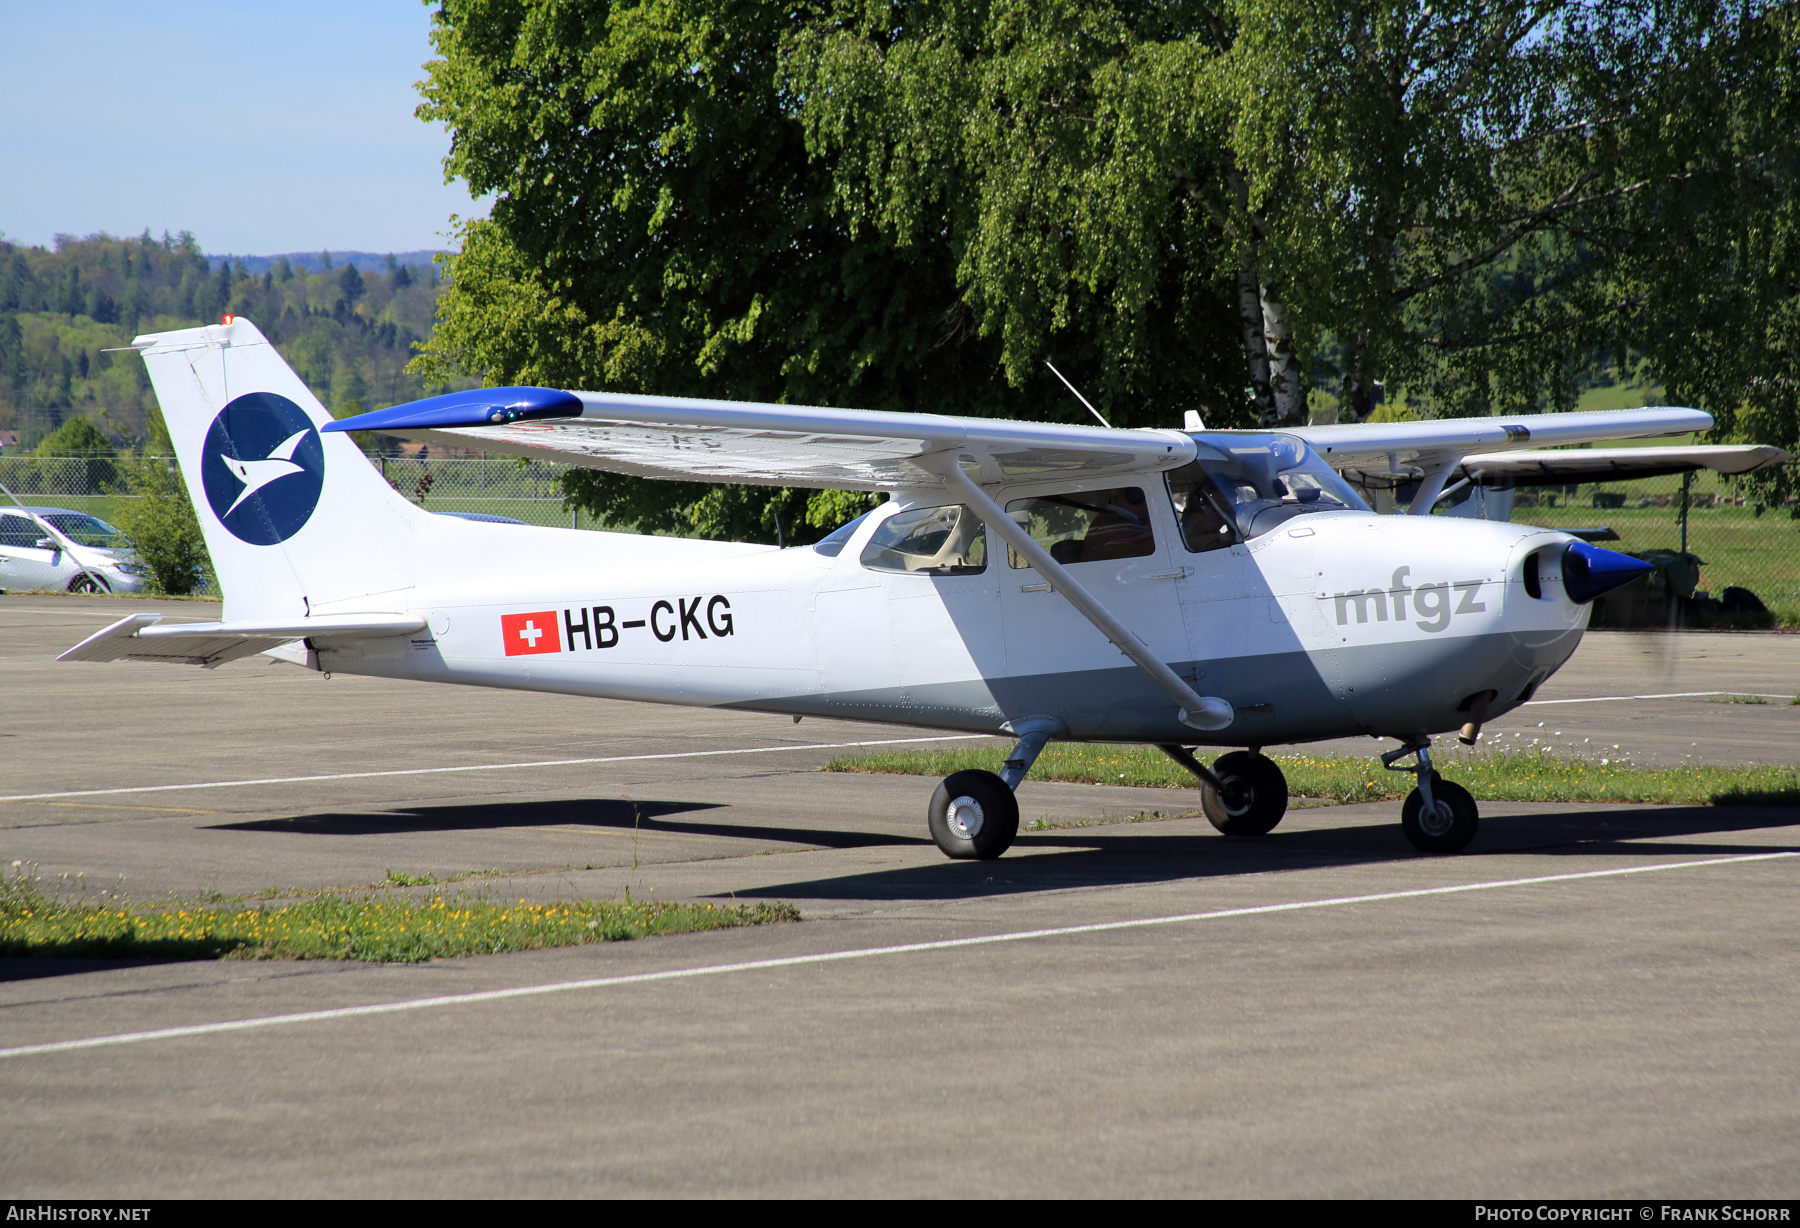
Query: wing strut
[[1199, 712]]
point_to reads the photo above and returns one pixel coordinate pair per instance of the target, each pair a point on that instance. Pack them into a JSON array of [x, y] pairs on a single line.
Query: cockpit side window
[[1086, 527], [1201, 509], [934, 541]]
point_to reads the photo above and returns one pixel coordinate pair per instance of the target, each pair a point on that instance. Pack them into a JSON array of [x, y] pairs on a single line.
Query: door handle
[[1179, 573]]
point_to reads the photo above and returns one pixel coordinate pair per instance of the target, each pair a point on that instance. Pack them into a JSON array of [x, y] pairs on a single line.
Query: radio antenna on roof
[[1071, 387]]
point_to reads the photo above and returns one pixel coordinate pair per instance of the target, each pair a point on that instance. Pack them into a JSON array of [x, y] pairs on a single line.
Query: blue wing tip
[[475, 407]]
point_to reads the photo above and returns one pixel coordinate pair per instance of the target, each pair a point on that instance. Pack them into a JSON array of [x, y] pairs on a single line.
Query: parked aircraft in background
[[1182, 589]]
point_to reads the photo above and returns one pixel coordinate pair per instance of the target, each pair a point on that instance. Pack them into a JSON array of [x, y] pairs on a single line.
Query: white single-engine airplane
[[1175, 588]]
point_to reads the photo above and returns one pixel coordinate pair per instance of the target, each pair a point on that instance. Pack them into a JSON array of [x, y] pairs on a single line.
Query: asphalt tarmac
[[1594, 1001]]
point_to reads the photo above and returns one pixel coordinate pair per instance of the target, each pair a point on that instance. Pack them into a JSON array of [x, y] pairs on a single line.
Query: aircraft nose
[[1588, 571]]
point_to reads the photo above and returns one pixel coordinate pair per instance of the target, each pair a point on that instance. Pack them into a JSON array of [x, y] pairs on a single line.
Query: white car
[[35, 552]]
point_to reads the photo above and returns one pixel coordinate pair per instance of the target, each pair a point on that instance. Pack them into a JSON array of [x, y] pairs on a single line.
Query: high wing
[[136, 637], [776, 445]]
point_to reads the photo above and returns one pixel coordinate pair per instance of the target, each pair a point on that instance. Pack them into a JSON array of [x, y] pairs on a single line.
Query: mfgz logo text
[[1432, 604]]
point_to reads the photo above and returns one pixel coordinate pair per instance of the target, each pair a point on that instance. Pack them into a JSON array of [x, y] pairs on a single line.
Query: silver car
[[35, 552]]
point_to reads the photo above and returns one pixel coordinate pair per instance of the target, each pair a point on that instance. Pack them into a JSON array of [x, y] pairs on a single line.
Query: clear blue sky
[[263, 127]]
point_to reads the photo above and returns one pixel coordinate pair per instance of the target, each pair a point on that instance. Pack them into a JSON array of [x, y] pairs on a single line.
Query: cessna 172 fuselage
[[1180, 589]]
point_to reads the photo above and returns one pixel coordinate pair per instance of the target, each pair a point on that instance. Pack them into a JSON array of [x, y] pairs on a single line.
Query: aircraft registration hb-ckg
[[1177, 588]]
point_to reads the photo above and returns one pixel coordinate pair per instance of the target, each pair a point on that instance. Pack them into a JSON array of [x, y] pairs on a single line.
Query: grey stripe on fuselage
[[1384, 689]]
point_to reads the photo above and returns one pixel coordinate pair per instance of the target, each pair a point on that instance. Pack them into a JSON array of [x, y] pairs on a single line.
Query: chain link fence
[[1723, 557], [526, 491]]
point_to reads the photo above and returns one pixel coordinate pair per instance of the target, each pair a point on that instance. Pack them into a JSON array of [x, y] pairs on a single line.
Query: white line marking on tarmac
[[1605, 699], [795, 961], [477, 767]]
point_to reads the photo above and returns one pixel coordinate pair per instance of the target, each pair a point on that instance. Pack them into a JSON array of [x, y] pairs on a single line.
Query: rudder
[[297, 522]]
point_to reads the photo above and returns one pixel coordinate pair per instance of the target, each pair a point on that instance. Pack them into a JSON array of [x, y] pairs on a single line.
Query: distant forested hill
[[324, 262], [348, 331]]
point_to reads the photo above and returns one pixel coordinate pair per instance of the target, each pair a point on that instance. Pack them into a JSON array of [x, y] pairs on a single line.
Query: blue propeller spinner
[[476, 407], [1588, 571]]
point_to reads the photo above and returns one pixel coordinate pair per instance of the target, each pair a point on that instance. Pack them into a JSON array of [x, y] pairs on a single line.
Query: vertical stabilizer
[[296, 521]]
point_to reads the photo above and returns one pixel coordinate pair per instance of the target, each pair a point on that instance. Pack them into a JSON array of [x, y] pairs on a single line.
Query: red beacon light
[[226, 319]]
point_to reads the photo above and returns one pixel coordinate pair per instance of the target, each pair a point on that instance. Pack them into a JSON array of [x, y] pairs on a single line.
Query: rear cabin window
[[1088, 527], [932, 541], [833, 543]]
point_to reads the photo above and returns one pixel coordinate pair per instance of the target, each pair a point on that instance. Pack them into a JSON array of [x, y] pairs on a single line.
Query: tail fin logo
[[263, 468]]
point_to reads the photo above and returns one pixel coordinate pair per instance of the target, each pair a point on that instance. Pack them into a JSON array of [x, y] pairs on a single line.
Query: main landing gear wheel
[[1448, 826], [974, 816], [1254, 798]]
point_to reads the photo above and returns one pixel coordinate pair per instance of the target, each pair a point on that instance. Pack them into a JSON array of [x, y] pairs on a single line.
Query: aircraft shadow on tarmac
[[1094, 857], [589, 812], [1081, 857], [621, 814], [1078, 857]]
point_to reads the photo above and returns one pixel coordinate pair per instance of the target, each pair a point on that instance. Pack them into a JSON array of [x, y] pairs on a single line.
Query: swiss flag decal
[[524, 634]]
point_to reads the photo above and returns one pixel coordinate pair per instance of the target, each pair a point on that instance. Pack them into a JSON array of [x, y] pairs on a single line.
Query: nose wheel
[[1439, 816]]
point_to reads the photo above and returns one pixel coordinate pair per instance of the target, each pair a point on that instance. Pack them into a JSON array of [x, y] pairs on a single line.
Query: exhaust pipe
[[1478, 706]]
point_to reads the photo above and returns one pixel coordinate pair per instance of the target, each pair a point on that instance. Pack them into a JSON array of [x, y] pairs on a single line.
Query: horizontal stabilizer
[[136, 637]]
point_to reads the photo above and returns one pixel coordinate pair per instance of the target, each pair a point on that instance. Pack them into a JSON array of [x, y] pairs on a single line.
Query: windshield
[[1270, 479], [87, 530]]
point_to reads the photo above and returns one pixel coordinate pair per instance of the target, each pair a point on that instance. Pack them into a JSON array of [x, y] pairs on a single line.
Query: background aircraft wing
[[1540, 468], [777, 445], [1470, 436]]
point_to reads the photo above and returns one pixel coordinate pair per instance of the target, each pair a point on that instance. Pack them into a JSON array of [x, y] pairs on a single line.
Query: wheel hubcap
[[1238, 797], [1436, 819], [965, 817]]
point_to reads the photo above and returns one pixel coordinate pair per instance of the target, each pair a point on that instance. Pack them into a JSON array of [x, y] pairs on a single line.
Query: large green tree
[[660, 224], [1206, 204]]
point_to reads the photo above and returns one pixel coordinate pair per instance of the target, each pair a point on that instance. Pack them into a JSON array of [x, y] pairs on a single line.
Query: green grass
[[392, 930], [1629, 395], [1527, 774], [1143, 816]]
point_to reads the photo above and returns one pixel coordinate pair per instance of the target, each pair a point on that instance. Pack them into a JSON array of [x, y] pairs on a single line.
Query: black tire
[[1256, 795], [974, 816], [1454, 825], [84, 583]]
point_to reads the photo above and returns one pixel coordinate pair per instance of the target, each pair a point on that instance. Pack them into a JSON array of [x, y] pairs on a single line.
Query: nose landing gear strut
[[1438, 816]]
